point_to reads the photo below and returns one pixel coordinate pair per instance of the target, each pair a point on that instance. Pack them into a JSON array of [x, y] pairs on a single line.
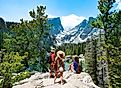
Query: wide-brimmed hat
[[60, 54]]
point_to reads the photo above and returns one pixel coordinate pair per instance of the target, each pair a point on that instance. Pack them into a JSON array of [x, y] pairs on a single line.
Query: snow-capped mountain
[[55, 26], [78, 34]]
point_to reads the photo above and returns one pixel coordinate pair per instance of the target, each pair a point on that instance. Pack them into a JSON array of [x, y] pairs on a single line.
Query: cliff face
[[56, 26], [71, 80]]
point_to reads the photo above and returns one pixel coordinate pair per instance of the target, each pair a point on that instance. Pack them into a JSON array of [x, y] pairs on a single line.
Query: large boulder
[[71, 80]]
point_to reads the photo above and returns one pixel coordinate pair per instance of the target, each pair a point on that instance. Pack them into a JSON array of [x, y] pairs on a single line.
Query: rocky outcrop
[[71, 80]]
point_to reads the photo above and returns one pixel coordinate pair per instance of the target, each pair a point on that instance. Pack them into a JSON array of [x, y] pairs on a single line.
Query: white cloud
[[119, 4], [71, 20]]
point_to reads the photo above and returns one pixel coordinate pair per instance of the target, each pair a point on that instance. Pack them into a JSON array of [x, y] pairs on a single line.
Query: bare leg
[[51, 71], [56, 74], [55, 79], [61, 77]]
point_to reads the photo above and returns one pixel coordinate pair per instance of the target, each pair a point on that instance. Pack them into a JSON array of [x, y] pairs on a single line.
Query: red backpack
[[51, 58]]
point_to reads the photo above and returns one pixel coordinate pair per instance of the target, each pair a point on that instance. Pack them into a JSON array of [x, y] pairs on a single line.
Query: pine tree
[[3, 29], [91, 59], [11, 64], [102, 67], [30, 36], [115, 53], [109, 21]]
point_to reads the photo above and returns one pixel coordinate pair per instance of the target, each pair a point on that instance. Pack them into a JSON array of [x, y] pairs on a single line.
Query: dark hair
[[76, 59]]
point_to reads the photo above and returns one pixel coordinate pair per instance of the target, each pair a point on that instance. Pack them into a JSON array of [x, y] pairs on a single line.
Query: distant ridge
[[79, 33]]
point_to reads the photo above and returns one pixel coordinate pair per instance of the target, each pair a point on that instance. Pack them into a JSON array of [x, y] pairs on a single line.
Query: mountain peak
[[2, 23], [56, 26], [91, 19], [79, 33], [54, 20], [83, 23]]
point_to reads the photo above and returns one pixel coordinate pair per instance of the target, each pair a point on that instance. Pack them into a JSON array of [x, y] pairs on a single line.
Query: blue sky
[[14, 10]]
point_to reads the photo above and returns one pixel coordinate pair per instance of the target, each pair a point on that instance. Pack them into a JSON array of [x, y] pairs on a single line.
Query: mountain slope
[[78, 34], [56, 26]]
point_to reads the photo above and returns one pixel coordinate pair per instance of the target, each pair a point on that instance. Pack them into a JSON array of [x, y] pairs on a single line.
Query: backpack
[[51, 58]]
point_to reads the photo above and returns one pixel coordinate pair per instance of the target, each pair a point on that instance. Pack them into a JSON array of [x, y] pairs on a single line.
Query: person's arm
[[72, 67], [63, 66], [69, 67], [58, 65]]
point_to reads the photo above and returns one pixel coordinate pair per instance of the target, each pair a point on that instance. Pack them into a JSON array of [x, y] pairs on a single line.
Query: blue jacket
[[75, 64]]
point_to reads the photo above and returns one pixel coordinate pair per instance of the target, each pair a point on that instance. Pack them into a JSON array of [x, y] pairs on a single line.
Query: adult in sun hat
[[59, 65], [52, 61]]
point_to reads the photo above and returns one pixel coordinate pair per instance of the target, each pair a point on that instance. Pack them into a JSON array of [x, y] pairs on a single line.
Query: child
[[59, 65]]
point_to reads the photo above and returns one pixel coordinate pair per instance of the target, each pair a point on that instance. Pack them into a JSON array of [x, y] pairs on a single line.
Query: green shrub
[[11, 64], [21, 76]]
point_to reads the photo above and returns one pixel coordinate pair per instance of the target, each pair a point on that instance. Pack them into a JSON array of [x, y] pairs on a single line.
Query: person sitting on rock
[[75, 66], [59, 65]]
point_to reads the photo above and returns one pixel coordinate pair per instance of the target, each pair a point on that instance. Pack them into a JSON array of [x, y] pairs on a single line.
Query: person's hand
[[54, 62], [58, 71]]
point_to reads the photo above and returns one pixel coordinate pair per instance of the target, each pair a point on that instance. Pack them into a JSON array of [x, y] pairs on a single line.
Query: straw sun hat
[[60, 54]]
